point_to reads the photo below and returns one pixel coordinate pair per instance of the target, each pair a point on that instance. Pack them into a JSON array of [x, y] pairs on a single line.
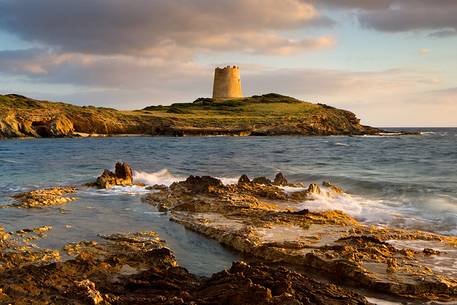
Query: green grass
[[258, 113], [267, 105]]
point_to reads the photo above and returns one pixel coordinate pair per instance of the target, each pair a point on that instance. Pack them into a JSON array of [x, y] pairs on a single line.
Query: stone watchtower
[[227, 83]]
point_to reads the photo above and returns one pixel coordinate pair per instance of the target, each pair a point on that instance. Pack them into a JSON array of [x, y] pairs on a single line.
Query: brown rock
[[199, 184], [314, 189], [334, 188], [244, 179], [44, 197], [86, 291], [122, 176], [261, 180], [123, 171], [137, 268], [280, 180], [429, 252], [265, 222]]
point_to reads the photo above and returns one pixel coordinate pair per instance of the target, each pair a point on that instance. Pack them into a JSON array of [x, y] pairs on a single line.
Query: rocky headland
[[266, 115], [292, 255]]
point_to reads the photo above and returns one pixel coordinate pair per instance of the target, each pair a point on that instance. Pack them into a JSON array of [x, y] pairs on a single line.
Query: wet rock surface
[[122, 176], [297, 256], [137, 268], [262, 219], [44, 197]]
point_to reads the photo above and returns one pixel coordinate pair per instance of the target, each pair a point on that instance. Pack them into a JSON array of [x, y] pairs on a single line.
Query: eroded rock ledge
[[265, 218], [136, 268], [261, 218], [44, 197], [252, 116]]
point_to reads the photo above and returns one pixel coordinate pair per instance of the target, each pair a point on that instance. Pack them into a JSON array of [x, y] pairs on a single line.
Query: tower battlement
[[227, 83]]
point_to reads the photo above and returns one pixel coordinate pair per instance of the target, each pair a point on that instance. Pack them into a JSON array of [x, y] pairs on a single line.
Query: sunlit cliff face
[[367, 56]]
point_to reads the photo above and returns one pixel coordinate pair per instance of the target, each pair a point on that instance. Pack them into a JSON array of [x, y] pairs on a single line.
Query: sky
[[392, 62]]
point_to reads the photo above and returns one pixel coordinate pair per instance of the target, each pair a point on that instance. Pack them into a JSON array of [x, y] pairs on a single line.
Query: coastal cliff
[[266, 115]]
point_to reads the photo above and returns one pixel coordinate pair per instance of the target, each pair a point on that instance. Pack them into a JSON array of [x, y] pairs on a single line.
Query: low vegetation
[[269, 114]]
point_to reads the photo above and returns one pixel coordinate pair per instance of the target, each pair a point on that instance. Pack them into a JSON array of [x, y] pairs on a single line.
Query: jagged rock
[[157, 187], [264, 221], [85, 290], [244, 179], [122, 176], [44, 197], [123, 171], [197, 184], [280, 180], [314, 189], [61, 126], [334, 188], [258, 284], [261, 180], [137, 268], [429, 252], [326, 183]]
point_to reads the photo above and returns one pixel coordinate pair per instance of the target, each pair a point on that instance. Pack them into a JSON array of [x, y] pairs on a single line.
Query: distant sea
[[403, 181]]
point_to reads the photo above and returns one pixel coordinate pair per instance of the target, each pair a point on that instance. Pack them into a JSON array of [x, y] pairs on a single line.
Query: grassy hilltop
[[270, 114]]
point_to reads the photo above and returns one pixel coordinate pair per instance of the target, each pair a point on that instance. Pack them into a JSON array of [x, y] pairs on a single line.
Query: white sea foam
[[341, 144], [438, 213], [382, 302], [118, 190], [366, 210], [292, 189], [163, 177], [10, 161], [227, 180], [434, 133]]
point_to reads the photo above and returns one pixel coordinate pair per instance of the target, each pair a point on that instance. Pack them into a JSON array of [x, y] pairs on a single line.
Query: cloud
[[424, 51], [410, 15], [355, 4], [382, 98], [121, 71], [97, 71], [444, 33], [364, 86], [447, 96], [400, 15], [173, 28]]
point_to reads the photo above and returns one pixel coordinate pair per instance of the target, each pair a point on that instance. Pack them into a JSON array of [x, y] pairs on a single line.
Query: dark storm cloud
[[404, 15], [146, 26], [412, 15], [355, 4]]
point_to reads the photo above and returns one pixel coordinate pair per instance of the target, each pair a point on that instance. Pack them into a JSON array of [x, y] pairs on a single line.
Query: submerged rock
[[44, 197], [122, 176]]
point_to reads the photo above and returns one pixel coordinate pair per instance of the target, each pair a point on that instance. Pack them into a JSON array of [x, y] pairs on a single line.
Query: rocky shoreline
[[293, 255], [266, 115]]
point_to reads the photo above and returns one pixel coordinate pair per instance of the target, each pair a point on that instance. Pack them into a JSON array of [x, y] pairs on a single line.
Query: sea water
[[402, 181]]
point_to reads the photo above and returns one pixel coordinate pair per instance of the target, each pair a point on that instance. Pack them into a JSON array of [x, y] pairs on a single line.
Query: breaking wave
[[165, 177], [162, 177], [436, 214]]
